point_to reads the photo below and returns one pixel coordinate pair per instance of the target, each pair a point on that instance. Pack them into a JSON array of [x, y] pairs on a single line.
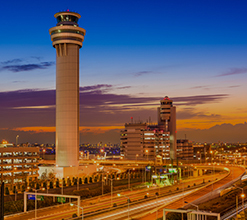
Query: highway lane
[[64, 211], [123, 212], [234, 173], [134, 196]]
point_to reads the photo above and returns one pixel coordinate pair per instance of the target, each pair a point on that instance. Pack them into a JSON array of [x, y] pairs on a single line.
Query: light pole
[[156, 205], [102, 184], [146, 153], [111, 189], [242, 195], [17, 136], [137, 156], [129, 179], [43, 154], [128, 204], [211, 152], [35, 211], [200, 156], [77, 183], [62, 187], [72, 204], [197, 208]]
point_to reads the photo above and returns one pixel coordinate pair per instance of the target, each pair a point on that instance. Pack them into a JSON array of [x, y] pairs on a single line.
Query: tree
[[57, 183], [51, 176], [23, 188], [86, 180], [80, 181], [51, 184], [6, 190], [43, 176]]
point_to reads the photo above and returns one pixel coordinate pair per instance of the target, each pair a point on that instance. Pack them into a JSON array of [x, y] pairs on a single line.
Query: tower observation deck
[[67, 38]]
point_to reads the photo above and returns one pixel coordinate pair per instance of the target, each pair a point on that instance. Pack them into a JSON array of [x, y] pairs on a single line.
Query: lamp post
[[146, 153], [200, 156], [77, 183], [102, 184], [156, 205], [111, 189], [72, 204], [128, 204], [242, 195], [211, 152], [137, 156], [129, 179], [17, 136], [35, 211], [43, 154], [197, 208]]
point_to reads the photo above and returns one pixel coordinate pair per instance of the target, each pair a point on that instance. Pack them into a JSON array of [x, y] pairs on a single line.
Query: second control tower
[[67, 38]]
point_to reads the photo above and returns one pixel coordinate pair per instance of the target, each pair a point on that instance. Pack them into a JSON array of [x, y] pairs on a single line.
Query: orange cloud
[[84, 129]]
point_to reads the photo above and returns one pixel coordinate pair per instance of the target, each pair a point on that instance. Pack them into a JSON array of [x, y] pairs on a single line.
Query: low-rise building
[[184, 150], [18, 164]]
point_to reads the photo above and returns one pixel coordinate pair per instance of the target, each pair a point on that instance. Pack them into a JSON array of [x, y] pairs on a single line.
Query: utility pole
[[2, 201]]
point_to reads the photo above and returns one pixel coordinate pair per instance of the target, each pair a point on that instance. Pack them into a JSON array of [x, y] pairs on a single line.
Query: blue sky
[[134, 51]]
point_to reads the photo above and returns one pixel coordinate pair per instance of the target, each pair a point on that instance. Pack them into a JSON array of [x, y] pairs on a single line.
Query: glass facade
[[71, 18]]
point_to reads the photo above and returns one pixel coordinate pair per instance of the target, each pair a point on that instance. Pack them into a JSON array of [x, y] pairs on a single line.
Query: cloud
[[37, 58], [11, 61], [18, 81], [188, 114], [27, 67], [124, 87], [142, 73], [99, 106], [201, 87], [234, 71], [199, 99], [98, 87], [234, 86]]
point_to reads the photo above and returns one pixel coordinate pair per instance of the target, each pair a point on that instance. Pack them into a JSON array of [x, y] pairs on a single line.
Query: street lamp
[[43, 154], [72, 204], [129, 178], [242, 195], [111, 189], [211, 152], [156, 194], [146, 153], [35, 211], [137, 156], [128, 204], [17, 136], [200, 156], [197, 208]]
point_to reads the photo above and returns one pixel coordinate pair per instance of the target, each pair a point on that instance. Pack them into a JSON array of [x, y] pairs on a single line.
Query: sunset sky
[[134, 54]]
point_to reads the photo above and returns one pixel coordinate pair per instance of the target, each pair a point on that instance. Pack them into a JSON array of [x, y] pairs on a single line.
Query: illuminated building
[[67, 38], [151, 142], [18, 163]]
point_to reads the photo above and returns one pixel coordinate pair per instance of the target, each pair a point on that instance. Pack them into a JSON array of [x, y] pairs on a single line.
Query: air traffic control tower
[[67, 38]]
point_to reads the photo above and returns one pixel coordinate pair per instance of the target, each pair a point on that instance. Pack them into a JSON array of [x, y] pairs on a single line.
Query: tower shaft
[[67, 105]]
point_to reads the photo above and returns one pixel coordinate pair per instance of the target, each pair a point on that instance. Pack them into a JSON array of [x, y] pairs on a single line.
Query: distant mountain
[[224, 132]]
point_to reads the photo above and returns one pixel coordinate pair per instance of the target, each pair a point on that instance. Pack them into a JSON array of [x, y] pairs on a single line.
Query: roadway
[[234, 173], [103, 203], [174, 200]]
